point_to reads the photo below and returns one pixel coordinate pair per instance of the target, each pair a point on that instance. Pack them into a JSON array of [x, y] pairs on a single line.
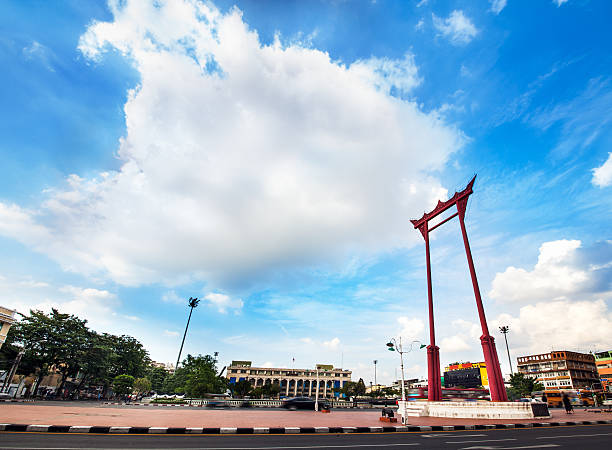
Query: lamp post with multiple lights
[[395, 346]]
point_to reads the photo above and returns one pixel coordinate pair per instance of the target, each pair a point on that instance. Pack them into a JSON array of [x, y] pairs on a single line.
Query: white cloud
[[411, 329], [456, 27], [224, 302], [172, 297], [580, 118], [497, 5], [332, 344], [569, 289], [388, 74], [98, 307], [171, 333], [453, 344], [555, 275], [559, 2], [420, 24], [38, 52], [306, 340], [602, 176], [560, 325], [240, 159]]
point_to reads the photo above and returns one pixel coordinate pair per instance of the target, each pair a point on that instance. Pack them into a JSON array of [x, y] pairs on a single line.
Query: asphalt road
[[584, 437]]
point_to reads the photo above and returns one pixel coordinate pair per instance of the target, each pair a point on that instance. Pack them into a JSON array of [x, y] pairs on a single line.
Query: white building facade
[[292, 382]]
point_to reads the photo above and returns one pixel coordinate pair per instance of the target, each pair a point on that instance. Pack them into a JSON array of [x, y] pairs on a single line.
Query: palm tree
[[193, 302]]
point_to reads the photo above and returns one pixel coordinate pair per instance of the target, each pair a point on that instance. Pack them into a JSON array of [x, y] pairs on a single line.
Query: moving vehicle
[[554, 398], [304, 403]]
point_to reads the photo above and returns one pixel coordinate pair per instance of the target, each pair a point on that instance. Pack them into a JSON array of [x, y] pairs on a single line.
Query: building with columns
[[293, 382], [7, 318]]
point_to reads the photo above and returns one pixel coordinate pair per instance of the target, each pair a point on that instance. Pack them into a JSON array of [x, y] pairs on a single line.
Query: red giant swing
[[496, 382]]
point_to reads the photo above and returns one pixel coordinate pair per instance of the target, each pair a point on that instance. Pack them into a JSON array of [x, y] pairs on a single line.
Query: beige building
[[7, 318], [293, 382], [560, 369]]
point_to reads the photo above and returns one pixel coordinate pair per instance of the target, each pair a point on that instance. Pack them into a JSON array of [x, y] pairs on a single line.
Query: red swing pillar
[[496, 380], [434, 383]]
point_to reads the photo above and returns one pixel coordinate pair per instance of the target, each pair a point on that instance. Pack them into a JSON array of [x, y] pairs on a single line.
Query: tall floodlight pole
[[375, 383], [193, 303], [504, 330]]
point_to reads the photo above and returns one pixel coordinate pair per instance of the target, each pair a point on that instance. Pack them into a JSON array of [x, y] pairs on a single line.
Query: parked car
[[304, 403]]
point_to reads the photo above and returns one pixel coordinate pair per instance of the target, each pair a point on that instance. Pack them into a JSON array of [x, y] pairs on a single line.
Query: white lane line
[[444, 435], [480, 440], [575, 435], [482, 447]]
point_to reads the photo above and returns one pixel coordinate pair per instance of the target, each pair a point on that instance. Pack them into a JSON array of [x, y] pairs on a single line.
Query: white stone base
[[466, 410]]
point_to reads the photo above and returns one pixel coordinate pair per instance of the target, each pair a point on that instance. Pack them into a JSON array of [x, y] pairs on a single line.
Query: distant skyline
[[267, 157]]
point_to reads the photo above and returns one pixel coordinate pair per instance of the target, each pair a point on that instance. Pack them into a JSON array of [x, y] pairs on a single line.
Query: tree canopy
[[64, 343], [523, 386]]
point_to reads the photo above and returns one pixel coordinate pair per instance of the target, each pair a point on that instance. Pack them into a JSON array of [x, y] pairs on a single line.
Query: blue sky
[[267, 157]]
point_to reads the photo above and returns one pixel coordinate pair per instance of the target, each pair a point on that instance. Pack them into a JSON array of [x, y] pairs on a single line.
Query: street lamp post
[[395, 347], [193, 303], [504, 330]]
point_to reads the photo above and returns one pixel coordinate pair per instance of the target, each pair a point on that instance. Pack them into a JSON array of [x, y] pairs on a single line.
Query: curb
[[285, 430]]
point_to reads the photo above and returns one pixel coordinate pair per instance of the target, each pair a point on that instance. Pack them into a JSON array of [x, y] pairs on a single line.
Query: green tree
[[241, 388], [158, 376], [271, 390], [142, 385], [523, 386], [54, 340], [257, 392], [360, 388], [128, 356], [123, 384], [196, 376]]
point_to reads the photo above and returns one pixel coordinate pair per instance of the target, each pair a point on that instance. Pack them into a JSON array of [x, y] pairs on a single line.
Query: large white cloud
[[568, 292], [563, 270], [240, 158]]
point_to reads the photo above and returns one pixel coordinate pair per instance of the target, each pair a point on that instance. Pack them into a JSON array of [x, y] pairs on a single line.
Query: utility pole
[[504, 330], [193, 303]]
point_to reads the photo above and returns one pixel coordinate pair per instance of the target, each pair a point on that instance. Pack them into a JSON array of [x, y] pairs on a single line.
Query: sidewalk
[[237, 418]]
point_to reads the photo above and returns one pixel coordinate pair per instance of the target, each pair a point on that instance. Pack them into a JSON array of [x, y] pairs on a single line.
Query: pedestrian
[[544, 398], [568, 405]]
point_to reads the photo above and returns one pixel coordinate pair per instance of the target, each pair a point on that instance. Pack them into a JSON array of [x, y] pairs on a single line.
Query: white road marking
[[480, 440], [509, 448], [574, 435], [444, 435]]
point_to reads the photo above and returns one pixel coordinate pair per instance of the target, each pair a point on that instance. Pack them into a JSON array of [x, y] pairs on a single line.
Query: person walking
[[544, 398], [568, 405]]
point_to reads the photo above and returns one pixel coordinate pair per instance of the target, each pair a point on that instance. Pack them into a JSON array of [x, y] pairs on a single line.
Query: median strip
[[38, 428]]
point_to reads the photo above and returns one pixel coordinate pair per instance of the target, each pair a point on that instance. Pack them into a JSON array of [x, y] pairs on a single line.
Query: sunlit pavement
[[586, 437], [94, 414]]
